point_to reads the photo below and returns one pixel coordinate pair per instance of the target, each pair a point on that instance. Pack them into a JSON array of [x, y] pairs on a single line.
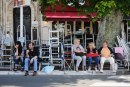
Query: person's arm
[[99, 51], [112, 53], [82, 49], [16, 53], [27, 55]]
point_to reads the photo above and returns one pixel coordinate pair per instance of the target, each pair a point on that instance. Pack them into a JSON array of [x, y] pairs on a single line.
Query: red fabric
[[64, 15], [67, 13], [91, 55]]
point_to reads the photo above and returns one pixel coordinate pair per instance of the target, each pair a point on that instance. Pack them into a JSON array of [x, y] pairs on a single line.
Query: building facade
[[71, 21]]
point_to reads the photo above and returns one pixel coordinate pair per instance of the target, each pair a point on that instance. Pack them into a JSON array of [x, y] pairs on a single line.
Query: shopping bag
[[48, 69]]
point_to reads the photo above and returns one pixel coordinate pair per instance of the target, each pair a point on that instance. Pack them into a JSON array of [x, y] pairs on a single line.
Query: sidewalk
[[57, 72]]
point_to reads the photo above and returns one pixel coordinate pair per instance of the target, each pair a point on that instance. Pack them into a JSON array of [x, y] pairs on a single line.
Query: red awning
[[64, 15], [69, 13]]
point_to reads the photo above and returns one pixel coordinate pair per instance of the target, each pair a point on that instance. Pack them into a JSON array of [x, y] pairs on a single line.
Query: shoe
[[96, 70], [101, 71], [89, 69], [114, 71], [15, 69], [34, 73], [77, 69], [84, 68], [26, 73], [22, 69]]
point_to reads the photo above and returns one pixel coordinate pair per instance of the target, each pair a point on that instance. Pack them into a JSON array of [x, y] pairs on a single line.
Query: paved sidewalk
[[57, 72]]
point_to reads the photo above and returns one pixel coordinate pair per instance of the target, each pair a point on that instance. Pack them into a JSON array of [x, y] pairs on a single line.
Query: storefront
[[74, 22]]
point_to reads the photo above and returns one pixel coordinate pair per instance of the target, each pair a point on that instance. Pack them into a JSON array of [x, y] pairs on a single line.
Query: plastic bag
[[48, 69]]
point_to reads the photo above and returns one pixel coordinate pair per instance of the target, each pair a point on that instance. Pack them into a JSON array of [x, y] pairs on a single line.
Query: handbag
[[80, 54], [92, 55]]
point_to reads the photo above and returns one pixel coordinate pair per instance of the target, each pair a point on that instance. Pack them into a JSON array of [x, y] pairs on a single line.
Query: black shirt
[[94, 50], [33, 53]]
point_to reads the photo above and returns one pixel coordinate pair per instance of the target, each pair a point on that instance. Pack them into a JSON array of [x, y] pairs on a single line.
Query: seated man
[[105, 53], [31, 58]]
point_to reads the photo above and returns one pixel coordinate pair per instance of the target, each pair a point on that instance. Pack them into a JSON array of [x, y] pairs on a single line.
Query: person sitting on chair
[[17, 56], [105, 53], [31, 58], [92, 54], [79, 54]]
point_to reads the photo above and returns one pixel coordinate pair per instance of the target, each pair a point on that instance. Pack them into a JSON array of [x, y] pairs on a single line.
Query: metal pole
[[21, 21]]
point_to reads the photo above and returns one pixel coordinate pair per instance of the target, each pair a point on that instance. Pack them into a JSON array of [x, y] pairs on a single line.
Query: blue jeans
[[96, 59], [27, 63], [17, 61]]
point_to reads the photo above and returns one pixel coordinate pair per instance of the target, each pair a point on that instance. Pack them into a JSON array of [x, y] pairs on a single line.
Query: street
[[64, 81]]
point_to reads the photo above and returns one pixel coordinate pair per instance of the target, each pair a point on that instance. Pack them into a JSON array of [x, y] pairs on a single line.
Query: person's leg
[[103, 59], [21, 63], [112, 62], [79, 59], [35, 67], [97, 60], [15, 63], [89, 63], [84, 62], [26, 65], [35, 64]]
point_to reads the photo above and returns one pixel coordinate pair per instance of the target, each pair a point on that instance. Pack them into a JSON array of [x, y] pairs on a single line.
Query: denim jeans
[[27, 63], [17, 61], [96, 59], [79, 60]]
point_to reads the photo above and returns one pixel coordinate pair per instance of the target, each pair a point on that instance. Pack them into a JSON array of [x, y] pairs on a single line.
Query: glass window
[[78, 25]]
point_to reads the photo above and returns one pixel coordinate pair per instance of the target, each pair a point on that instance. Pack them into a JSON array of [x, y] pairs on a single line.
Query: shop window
[[53, 25], [95, 28], [78, 25], [87, 27], [69, 27]]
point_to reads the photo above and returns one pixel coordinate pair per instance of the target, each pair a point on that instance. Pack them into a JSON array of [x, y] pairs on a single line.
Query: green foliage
[[101, 7]]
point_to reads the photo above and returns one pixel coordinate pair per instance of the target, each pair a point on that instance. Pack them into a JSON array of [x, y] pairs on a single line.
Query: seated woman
[[17, 55], [31, 58], [77, 48], [105, 53], [92, 54]]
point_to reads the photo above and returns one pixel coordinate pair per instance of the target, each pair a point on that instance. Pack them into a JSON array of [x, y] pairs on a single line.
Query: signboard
[[22, 2], [34, 23]]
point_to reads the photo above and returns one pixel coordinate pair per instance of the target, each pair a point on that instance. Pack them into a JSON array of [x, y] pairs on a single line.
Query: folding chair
[[120, 57]]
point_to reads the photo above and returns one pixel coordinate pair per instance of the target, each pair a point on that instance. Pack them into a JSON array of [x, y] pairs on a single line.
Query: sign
[[22, 39], [34, 23], [22, 2]]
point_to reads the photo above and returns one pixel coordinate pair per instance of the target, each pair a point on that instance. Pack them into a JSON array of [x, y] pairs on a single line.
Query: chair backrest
[[119, 50]]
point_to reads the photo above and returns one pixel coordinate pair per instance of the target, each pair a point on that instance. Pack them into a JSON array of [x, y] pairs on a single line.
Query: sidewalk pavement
[[57, 72]]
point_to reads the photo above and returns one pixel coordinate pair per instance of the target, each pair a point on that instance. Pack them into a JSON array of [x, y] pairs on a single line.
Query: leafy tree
[[110, 13]]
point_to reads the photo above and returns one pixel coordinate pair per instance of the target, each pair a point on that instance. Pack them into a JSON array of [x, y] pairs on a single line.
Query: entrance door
[[26, 21]]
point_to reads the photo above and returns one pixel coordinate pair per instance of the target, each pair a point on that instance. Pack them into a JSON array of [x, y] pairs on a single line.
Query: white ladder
[[54, 49], [6, 52]]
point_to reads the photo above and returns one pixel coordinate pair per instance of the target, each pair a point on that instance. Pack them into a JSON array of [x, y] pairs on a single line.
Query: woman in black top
[[17, 55], [92, 55]]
